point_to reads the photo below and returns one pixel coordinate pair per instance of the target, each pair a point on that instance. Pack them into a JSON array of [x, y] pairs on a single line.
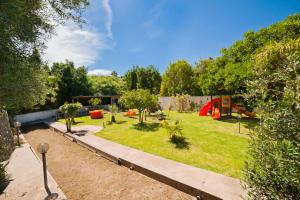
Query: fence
[[36, 116], [167, 102]]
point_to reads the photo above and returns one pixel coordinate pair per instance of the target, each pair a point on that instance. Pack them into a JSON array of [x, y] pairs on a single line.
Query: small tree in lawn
[[139, 99], [69, 110], [113, 110]]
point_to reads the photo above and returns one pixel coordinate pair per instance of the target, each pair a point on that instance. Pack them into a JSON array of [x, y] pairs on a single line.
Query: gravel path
[[84, 175]]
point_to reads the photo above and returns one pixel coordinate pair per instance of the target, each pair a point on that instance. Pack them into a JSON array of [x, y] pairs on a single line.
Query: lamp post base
[[52, 196]]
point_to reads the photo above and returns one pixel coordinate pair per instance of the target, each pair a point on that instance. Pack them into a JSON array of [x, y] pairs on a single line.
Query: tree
[[24, 27], [106, 85], [143, 78], [95, 102], [273, 167], [178, 79], [113, 110], [114, 73], [71, 81], [230, 72], [140, 99], [69, 110]]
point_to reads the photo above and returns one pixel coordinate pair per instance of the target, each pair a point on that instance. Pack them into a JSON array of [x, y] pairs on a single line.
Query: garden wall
[[36, 116], [165, 102]]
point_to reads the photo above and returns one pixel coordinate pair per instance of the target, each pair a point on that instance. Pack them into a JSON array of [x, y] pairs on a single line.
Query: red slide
[[206, 107]]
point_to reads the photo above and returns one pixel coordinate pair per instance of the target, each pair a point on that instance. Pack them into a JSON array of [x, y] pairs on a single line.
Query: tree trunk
[[6, 137], [113, 119]]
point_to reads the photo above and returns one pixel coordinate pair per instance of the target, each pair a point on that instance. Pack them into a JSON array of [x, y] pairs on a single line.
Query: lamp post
[[239, 119], [42, 148], [18, 126]]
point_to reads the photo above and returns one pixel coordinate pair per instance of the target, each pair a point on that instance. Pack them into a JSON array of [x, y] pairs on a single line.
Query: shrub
[[174, 128], [273, 167], [113, 110], [95, 102], [182, 102], [193, 106], [3, 178]]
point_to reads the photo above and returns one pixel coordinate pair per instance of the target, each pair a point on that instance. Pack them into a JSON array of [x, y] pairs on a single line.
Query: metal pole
[[45, 174]]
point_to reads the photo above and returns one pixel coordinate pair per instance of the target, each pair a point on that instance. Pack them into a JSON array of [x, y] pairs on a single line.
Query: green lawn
[[209, 144]]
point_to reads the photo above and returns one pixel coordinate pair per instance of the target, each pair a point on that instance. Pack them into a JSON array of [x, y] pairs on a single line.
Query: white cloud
[[109, 15], [100, 72], [81, 46]]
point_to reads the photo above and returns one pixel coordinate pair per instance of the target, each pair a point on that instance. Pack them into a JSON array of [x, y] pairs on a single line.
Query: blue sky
[[121, 33]]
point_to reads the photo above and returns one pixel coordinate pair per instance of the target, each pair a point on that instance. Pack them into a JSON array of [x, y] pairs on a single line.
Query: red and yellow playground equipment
[[96, 114], [226, 104]]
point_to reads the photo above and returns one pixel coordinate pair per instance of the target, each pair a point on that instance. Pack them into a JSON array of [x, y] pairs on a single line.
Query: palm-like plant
[[69, 110], [113, 110]]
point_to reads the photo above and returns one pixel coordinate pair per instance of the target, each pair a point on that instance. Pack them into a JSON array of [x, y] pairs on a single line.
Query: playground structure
[[217, 105], [96, 114]]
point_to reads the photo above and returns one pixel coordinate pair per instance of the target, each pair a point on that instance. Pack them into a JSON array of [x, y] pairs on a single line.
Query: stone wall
[[165, 102], [6, 137]]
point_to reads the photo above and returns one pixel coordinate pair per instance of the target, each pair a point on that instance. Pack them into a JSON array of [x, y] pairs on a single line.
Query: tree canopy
[[24, 28], [143, 78], [230, 72], [178, 79], [106, 85]]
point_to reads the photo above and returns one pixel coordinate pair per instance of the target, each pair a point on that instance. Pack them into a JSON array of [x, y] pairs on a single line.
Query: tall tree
[[178, 79], [24, 27], [230, 72], [71, 81], [106, 85], [143, 78]]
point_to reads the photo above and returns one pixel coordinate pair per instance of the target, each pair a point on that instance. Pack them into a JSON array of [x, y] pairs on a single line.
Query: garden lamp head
[[43, 148]]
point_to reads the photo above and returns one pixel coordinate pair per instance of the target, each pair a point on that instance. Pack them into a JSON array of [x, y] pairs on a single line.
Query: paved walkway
[[192, 180], [26, 172]]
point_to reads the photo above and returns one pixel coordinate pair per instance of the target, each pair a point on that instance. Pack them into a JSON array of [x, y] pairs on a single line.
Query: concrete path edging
[[25, 170], [191, 180]]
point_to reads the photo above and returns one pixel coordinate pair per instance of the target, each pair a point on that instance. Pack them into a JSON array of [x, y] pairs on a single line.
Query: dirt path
[[84, 175]]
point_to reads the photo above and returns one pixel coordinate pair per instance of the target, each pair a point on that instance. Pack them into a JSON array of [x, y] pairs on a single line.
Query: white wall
[[165, 102], [35, 116]]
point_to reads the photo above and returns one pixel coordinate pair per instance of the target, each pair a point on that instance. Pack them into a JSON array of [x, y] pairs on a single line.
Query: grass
[[208, 144]]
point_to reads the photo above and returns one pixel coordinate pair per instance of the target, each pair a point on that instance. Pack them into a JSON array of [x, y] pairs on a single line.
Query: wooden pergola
[[86, 98]]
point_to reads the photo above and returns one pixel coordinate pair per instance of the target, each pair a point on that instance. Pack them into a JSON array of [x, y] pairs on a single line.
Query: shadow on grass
[[249, 123], [180, 142], [76, 122], [120, 122], [146, 127]]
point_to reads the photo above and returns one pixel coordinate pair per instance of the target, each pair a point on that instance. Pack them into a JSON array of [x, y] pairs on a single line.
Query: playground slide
[[242, 110], [204, 110]]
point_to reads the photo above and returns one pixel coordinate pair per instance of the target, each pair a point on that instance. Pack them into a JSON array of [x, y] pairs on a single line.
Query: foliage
[[113, 110], [178, 79], [140, 99], [229, 73], [24, 27], [22, 84], [272, 171], [143, 78], [95, 102], [70, 111], [71, 81], [174, 128], [182, 102], [106, 85], [3, 178]]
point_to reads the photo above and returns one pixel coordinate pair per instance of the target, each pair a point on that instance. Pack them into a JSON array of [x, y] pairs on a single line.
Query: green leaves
[[273, 168]]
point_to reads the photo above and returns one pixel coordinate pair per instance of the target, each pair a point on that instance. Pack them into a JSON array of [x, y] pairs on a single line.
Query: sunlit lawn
[[210, 144]]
